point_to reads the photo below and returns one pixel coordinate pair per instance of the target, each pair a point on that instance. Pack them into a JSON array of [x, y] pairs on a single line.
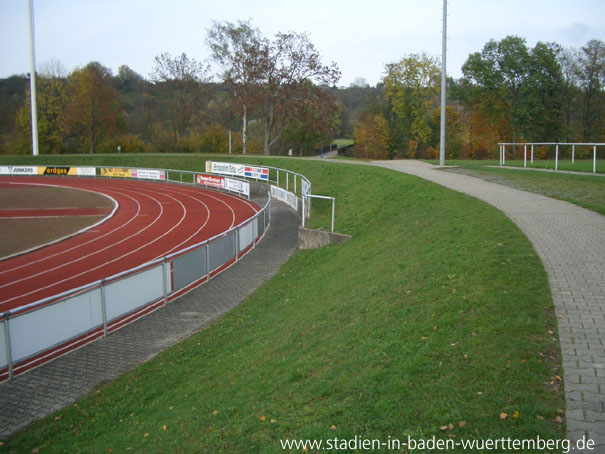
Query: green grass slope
[[437, 312]]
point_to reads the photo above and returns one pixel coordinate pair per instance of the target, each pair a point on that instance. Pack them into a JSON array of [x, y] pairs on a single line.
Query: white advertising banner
[[149, 174], [241, 187], [238, 170], [284, 196], [18, 170], [86, 171]]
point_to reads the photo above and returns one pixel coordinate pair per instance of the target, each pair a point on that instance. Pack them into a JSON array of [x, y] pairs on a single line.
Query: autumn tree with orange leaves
[[372, 137], [93, 109]]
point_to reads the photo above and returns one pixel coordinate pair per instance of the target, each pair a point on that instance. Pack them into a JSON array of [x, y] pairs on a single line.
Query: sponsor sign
[[117, 173], [86, 171], [47, 170], [23, 170], [238, 170], [241, 187], [260, 173], [55, 170], [211, 180], [284, 196], [144, 174], [148, 174]]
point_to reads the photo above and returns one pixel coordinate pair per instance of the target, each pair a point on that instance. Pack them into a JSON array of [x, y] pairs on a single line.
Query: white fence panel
[[132, 292], [3, 358], [246, 235], [40, 329]]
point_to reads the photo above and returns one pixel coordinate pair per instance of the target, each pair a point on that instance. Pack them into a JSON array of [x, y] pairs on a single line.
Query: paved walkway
[[571, 243], [38, 393]]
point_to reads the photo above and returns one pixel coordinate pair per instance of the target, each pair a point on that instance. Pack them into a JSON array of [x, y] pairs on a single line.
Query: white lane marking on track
[[209, 194], [48, 257], [80, 258], [255, 209], [193, 234], [206, 194], [109, 262]]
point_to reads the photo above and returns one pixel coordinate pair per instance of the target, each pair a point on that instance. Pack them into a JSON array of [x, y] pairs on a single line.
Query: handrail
[[595, 145]]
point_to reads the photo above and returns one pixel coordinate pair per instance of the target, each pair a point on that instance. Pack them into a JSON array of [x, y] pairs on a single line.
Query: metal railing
[[503, 146], [299, 186], [73, 318]]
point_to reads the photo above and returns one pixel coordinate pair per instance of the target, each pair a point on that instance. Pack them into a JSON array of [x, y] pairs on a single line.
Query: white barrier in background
[[502, 147]]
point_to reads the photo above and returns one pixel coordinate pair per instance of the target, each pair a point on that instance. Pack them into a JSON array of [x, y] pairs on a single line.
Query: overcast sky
[[360, 36]]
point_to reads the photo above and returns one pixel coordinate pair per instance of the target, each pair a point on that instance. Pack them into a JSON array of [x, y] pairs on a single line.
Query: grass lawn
[[343, 142], [437, 314]]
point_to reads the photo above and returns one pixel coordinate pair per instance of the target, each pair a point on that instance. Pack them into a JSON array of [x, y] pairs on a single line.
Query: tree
[[543, 96], [372, 137], [179, 80], [92, 109], [412, 86], [268, 76], [501, 70], [591, 76], [315, 121], [568, 59], [51, 103]]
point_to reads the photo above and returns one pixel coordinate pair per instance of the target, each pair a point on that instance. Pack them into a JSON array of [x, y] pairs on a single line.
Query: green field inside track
[[437, 314]]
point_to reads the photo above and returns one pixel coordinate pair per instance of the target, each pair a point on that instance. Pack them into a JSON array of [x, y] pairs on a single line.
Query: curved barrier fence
[[72, 319], [69, 320], [286, 186]]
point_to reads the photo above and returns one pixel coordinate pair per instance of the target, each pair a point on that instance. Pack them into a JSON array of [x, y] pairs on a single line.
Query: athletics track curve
[[153, 219]]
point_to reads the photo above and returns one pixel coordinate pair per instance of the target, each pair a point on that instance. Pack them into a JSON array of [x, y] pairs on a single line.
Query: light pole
[[443, 84], [32, 78]]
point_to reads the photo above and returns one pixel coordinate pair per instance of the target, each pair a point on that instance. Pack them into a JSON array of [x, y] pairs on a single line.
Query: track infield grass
[[437, 314]]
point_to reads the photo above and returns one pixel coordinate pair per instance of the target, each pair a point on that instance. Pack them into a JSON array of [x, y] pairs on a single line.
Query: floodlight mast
[[443, 85], [32, 78]]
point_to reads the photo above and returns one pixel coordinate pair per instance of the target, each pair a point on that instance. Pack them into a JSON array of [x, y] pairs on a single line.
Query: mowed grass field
[[435, 320]]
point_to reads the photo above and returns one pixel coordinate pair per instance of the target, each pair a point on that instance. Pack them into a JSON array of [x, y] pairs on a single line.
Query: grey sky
[[360, 36]]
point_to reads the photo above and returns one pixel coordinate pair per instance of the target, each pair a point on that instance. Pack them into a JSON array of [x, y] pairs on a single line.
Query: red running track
[[153, 219]]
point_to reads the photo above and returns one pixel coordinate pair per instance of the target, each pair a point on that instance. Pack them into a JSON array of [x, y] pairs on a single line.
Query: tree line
[[274, 95], [509, 92]]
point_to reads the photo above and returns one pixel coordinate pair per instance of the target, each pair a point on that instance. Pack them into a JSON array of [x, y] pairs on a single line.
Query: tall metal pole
[[443, 83], [32, 78]]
